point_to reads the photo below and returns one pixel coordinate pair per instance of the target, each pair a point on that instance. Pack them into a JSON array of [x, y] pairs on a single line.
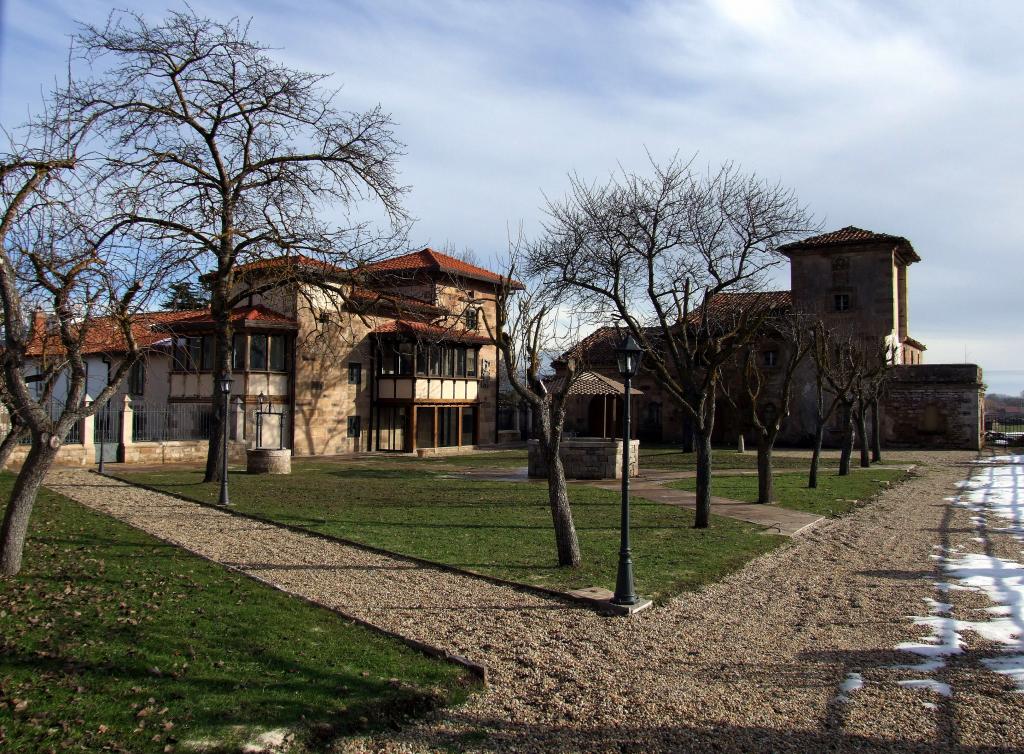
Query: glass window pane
[[195, 354], [468, 425], [471, 362], [257, 351], [435, 361], [238, 353], [405, 358], [278, 360], [208, 344], [387, 358], [460, 362]]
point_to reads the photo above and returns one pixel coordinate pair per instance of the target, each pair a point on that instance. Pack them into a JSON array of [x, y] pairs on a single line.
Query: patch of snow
[[929, 684], [853, 682], [936, 606], [1012, 666]]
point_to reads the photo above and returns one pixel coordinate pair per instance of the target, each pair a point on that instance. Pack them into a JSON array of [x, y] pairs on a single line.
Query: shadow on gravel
[[897, 575], [495, 735]]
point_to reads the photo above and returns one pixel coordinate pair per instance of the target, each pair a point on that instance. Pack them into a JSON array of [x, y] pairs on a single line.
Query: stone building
[[393, 356], [856, 282]]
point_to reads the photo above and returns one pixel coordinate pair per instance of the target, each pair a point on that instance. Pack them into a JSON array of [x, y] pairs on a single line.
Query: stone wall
[[934, 406], [170, 451], [587, 458]]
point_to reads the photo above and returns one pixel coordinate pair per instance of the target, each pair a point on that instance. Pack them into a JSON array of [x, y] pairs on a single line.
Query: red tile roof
[[296, 261], [421, 329], [599, 347], [727, 303], [429, 260], [592, 383], [396, 301], [104, 335], [241, 317], [850, 236]]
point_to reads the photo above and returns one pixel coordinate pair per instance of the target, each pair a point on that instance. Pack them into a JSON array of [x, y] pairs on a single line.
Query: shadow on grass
[[369, 703]]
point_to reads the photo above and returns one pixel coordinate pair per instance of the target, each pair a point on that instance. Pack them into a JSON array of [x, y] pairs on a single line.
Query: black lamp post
[[628, 355], [225, 389]]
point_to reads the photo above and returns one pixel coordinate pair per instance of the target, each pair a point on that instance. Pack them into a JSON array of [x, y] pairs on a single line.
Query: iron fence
[[54, 408], [1005, 430], [172, 421]]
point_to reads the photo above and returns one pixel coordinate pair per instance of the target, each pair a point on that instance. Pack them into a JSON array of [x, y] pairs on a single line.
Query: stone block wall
[[934, 406], [587, 458]]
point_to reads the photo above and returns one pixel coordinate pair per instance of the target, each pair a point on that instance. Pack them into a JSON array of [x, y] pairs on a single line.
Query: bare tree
[[767, 397], [526, 330], [868, 390], [229, 157], [54, 252], [658, 252], [824, 353]]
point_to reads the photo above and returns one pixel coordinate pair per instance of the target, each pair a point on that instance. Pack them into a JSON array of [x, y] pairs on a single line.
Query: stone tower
[[855, 280]]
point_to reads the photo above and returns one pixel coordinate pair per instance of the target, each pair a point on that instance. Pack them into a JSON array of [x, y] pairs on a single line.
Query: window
[[840, 271], [460, 362], [137, 379], [447, 427], [841, 302], [355, 373], [238, 353], [386, 353], [257, 352], [278, 354], [405, 351], [770, 358], [468, 425], [471, 362], [472, 318], [355, 426], [194, 354]]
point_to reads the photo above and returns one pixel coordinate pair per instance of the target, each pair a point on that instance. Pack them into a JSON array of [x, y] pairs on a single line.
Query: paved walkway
[[762, 661]]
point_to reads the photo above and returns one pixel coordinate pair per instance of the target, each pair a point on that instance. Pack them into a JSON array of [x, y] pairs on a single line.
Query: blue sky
[[901, 117]]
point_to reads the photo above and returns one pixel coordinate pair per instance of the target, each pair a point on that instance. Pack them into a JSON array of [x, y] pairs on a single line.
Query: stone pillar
[[88, 431], [239, 419], [126, 434]]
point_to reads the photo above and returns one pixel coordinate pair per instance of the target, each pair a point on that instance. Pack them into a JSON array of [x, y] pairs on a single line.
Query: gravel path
[[758, 662]]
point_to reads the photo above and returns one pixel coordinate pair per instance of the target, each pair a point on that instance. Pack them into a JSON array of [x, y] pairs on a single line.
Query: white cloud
[[897, 116]]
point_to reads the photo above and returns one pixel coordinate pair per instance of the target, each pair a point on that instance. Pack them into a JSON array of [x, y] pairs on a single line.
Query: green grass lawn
[[111, 640], [505, 459], [497, 528], [834, 495], [669, 457]]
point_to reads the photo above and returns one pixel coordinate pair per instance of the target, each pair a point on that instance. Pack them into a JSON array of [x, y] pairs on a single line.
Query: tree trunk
[[566, 541], [19, 506], [847, 448], [765, 475], [222, 357], [703, 512], [10, 442], [688, 436], [862, 438], [819, 436], [876, 434]]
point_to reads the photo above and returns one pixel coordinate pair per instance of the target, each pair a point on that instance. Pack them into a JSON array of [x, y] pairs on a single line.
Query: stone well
[[268, 461], [587, 458]]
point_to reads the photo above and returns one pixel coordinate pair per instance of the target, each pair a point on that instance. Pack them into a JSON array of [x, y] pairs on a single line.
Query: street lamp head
[[629, 355], [225, 385], [260, 399]]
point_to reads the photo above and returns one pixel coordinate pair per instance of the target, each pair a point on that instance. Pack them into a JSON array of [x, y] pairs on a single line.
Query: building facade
[[393, 356], [856, 282]]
